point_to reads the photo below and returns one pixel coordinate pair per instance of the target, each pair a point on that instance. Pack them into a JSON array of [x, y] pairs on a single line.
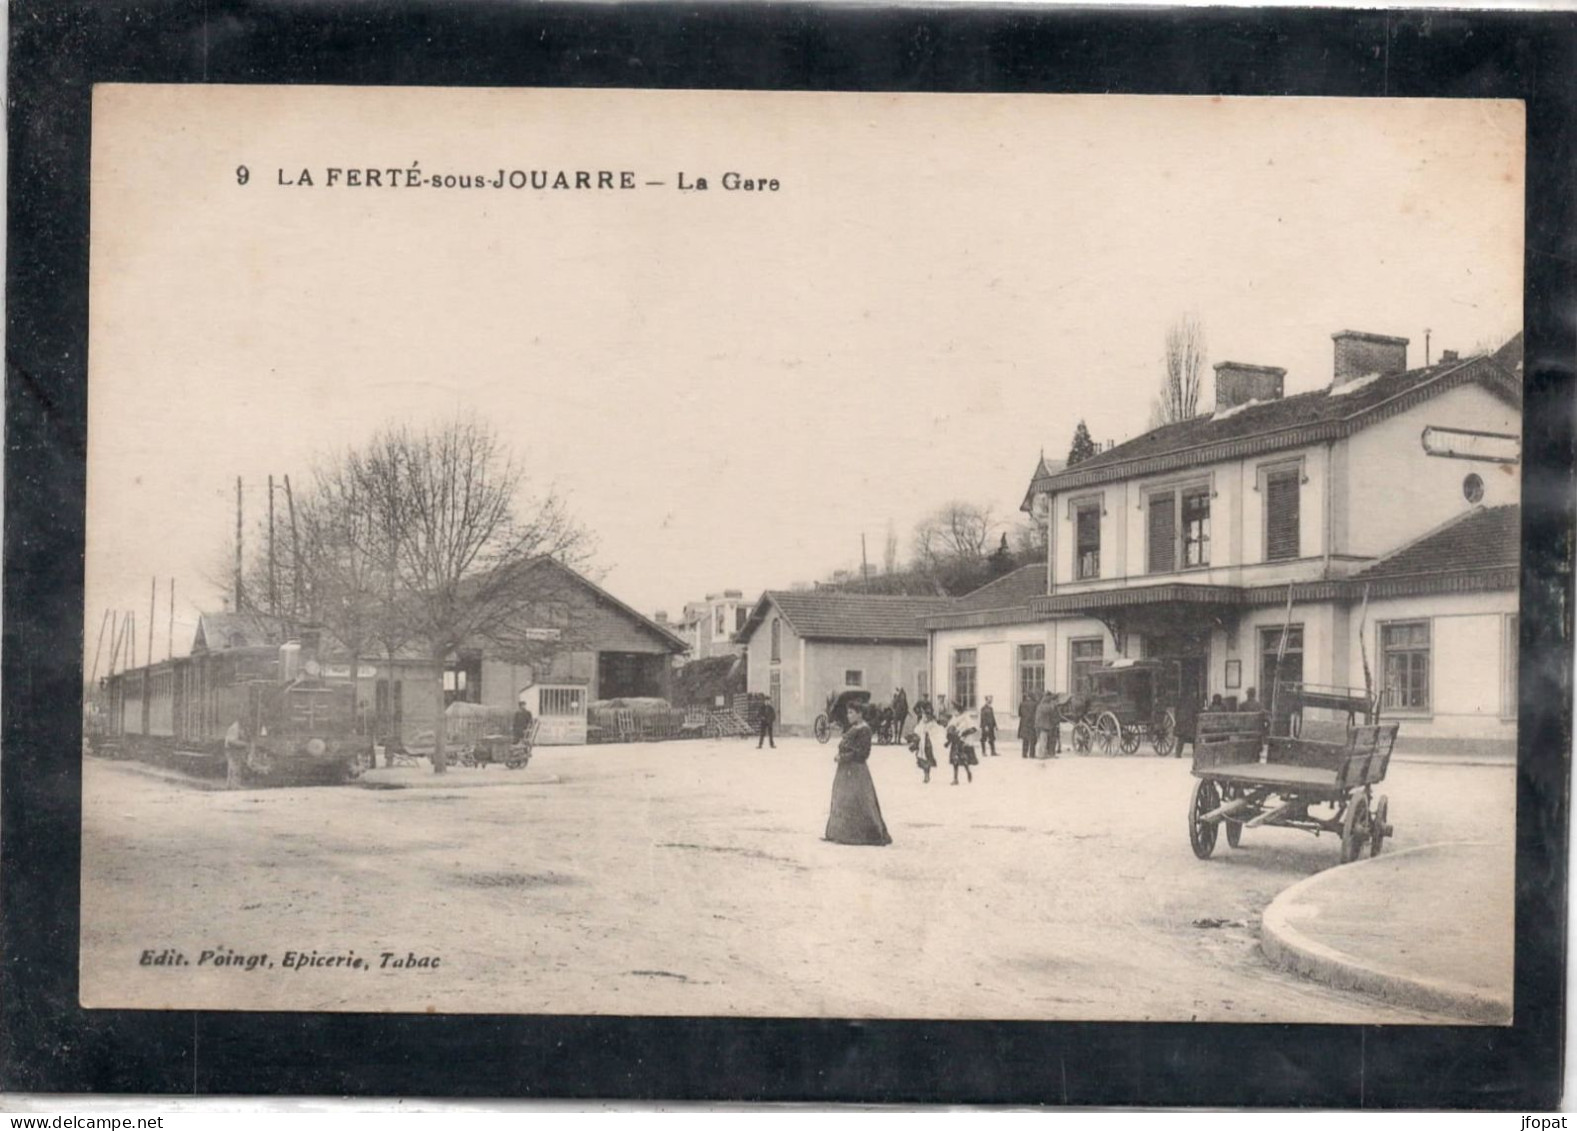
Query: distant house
[[802, 646], [709, 626]]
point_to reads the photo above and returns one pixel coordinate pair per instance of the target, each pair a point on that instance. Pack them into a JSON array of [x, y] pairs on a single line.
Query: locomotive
[[257, 715]]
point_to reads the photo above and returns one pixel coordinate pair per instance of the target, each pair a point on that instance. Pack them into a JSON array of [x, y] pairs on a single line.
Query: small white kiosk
[[560, 708]]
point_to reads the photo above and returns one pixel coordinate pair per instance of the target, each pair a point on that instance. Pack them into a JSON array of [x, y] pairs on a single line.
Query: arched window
[[777, 639]]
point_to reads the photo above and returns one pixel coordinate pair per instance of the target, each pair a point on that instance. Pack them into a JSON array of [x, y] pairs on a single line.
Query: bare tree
[[890, 551], [951, 544], [467, 544], [1185, 363]]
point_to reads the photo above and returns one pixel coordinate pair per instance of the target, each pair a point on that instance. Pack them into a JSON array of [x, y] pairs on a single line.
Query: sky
[[732, 387]]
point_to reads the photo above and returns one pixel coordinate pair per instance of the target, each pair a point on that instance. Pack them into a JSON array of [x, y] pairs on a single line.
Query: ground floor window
[[1031, 671], [463, 681], [964, 678], [775, 690], [561, 701], [1288, 668], [1404, 652], [1084, 656]]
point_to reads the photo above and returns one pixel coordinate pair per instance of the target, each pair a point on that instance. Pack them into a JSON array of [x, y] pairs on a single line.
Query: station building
[[1383, 507]]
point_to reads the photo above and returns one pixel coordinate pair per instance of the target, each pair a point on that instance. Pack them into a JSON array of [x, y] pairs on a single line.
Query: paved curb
[[1289, 947]]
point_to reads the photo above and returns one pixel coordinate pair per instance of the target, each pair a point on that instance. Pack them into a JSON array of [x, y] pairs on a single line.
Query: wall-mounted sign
[[544, 633], [342, 671], [1462, 443]]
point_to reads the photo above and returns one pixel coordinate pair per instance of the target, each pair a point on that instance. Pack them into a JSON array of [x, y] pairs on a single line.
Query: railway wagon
[[255, 716]]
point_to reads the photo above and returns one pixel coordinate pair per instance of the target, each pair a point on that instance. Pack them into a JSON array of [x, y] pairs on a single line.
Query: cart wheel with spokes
[[823, 729], [1163, 735], [1202, 834], [1131, 737], [1380, 825], [1355, 828], [1108, 733], [1083, 737], [1234, 828]]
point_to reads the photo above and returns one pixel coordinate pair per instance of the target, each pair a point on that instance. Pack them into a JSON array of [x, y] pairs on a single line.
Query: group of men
[[1040, 721]]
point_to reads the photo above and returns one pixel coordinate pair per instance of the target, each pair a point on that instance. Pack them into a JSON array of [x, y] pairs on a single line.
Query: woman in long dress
[[856, 816]]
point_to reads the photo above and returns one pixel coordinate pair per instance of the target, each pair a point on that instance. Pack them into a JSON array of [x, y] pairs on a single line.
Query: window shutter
[[1281, 516], [1163, 533]]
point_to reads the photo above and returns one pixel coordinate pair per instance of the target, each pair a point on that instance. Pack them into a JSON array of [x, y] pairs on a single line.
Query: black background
[[58, 50]]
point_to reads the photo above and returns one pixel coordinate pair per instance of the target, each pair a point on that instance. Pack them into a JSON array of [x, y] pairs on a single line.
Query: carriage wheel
[[1355, 828], [823, 729], [1131, 737], [1380, 826], [1202, 834], [1108, 733], [1163, 736], [1083, 737], [1234, 828]]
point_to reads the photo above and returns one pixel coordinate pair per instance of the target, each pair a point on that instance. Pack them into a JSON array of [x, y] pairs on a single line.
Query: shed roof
[[1003, 601], [1485, 538], [831, 614]]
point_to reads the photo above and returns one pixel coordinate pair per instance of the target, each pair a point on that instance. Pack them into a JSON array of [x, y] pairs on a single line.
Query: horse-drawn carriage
[[884, 727], [1129, 702], [1330, 753]]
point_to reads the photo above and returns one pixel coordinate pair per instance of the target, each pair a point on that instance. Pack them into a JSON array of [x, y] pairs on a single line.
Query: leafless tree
[[1185, 363], [951, 544], [890, 551], [467, 545]]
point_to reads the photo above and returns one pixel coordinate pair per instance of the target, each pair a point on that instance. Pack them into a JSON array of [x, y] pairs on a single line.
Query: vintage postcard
[[802, 554]]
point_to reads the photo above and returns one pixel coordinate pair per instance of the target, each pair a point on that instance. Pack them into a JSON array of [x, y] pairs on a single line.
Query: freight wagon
[[253, 715]]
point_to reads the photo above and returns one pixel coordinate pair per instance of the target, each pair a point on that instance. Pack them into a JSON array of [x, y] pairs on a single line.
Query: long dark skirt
[[856, 816]]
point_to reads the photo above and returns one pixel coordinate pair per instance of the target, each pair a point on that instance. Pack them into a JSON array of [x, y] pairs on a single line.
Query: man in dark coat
[[522, 725], [988, 729], [766, 717], [1026, 723], [1048, 721]]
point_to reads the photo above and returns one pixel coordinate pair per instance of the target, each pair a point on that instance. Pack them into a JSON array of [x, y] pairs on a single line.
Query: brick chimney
[[1237, 383], [1359, 354]]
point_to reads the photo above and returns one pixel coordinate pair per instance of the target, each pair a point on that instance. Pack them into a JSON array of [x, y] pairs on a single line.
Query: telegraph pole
[[93, 678], [238, 543], [295, 555], [170, 648], [153, 597], [273, 578]]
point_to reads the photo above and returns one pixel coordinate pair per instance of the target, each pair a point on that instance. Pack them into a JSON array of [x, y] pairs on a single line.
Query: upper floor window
[[741, 615], [1087, 541], [853, 677], [1282, 513], [777, 639], [722, 622], [1179, 529]]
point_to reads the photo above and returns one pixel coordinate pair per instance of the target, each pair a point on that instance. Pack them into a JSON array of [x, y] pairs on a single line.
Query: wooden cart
[[1319, 777]]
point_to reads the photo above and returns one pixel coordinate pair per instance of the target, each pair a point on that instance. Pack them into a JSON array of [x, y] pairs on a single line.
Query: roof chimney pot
[[1359, 354], [1238, 383]]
